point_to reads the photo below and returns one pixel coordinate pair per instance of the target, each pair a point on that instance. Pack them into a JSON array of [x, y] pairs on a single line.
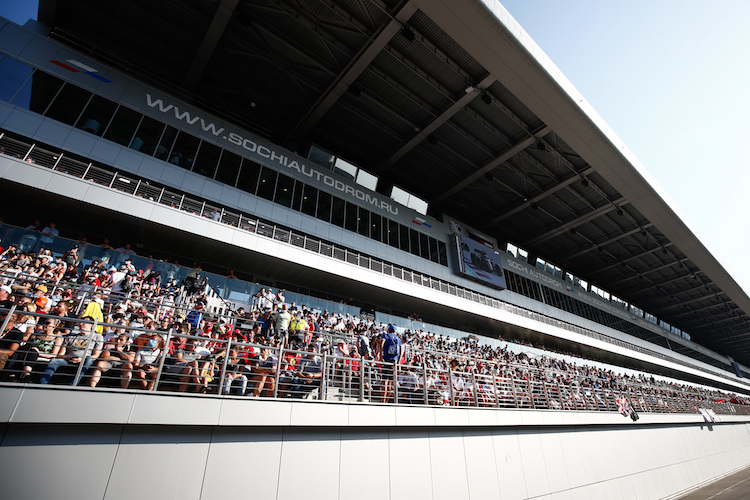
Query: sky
[[671, 78]]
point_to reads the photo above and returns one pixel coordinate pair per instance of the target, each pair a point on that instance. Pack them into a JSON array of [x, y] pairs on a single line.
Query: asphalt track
[[733, 487]]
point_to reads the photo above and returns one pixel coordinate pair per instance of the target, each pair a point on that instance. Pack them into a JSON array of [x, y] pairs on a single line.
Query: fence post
[[28, 153], [165, 353], [85, 355], [222, 379], [278, 368], [450, 386], [57, 161]]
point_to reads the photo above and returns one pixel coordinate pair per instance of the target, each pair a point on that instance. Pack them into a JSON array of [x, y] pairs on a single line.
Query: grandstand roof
[[451, 101]]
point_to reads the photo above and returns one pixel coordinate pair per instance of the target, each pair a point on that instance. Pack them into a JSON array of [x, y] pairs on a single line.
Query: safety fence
[[72, 351]]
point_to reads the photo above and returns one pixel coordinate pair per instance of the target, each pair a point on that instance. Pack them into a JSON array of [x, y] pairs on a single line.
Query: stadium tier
[[376, 247]]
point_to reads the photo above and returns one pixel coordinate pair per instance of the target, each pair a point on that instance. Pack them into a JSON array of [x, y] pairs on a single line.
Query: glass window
[[363, 222], [229, 167], [345, 169], [184, 150], [392, 235], [442, 253], [309, 200], [207, 159], [284, 190], [324, 206], [424, 245], [299, 188], [351, 216], [404, 237], [122, 128], [322, 158], [97, 115], [165, 143], [367, 180], [433, 250], [414, 241], [147, 136], [13, 75], [267, 183], [68, 104], [337, 212], [37, 95], [376, 231], [249, 174]]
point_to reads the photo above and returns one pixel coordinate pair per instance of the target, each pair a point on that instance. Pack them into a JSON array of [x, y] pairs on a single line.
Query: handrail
[[275, 371]]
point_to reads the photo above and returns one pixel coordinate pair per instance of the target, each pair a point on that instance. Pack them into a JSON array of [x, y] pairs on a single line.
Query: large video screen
[[478, 261]]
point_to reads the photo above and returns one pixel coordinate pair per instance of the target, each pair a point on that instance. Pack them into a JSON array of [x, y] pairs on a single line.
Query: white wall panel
[[534, 467], [151, 167], [104, 151], [448, 463], [14, 39], [160, 462], [408, 450], [129, 159], [136, 207], [310, 464], [57, 461], [166, 215], [54, 132], [554, 460], [80, 142], [99, 195], [509, 464], [481, 465], [572, 457], [242, 463], [211, 189], [172, 175], [364, 465]]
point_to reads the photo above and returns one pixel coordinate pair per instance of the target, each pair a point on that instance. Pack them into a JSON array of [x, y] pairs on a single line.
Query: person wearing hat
[[5, 299]]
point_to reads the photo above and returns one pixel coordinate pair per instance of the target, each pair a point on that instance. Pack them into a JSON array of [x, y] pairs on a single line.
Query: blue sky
[[671, 79], [19, 11]]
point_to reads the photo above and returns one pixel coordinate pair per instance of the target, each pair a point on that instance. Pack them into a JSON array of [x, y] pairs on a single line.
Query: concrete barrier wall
[[66, 443]]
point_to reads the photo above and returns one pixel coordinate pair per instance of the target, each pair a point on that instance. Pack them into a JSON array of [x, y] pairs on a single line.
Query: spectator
[[48, 234], [111, 362], [82, 347], [392, 350]]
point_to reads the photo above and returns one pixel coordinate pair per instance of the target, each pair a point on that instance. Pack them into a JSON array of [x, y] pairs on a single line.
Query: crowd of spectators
[[111, 323]]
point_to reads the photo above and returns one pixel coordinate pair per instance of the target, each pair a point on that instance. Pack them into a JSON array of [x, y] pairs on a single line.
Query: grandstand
[[415, 163]]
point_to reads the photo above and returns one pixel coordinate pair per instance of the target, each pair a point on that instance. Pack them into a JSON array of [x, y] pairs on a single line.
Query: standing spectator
[[281, 321], [49, 233], [392, 348], [125, 249]]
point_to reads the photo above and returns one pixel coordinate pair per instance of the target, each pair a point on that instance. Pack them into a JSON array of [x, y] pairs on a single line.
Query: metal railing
[[73, 351], [140, 187]]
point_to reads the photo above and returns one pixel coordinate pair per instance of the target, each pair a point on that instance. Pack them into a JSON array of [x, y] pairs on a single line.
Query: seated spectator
[[12, 339], [189, 366], [235, 375], [81, 346], [264, 373], [306, 378], [145, 365], [111, 362]]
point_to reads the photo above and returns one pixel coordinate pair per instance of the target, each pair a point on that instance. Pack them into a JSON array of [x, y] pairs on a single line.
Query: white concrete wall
[[67, 443]]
